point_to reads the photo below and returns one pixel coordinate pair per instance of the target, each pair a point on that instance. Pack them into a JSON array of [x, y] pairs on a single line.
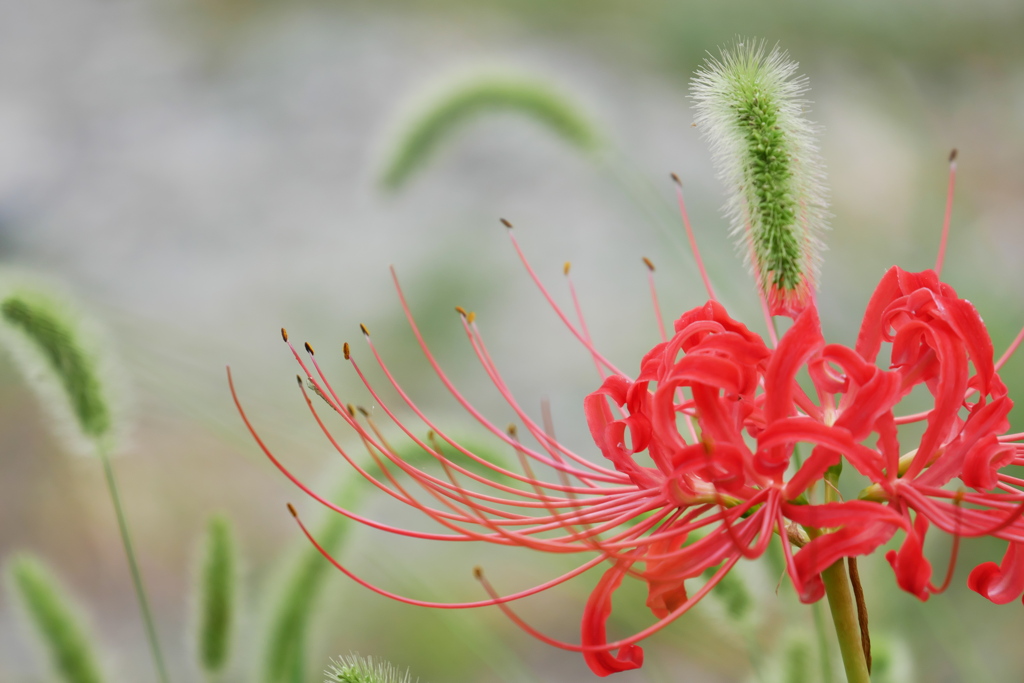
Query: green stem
[[841, 602], [140, 591], [844, 616]]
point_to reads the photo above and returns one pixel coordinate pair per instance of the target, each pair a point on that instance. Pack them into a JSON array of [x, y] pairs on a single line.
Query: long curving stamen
[[443, 605], [566, 270], [692, 239], [603, 474], [320, 499], [556, 449], [654, 298], [948, 213], [555, 307], [635, 638], [1010, 350]]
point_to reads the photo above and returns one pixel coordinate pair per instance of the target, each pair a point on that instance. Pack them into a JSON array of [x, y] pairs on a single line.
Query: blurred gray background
[[197, 174]]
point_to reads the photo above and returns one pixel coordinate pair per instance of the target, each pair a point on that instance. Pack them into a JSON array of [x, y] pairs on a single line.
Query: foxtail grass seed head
[[434, 121], [354, 669], [49, 344], [55, 620], [750, 109]]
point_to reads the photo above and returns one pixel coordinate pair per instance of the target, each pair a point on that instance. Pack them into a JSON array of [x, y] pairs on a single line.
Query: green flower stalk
[[749, 106]]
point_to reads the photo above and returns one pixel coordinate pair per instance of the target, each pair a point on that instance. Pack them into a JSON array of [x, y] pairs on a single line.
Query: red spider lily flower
[[701, 457], [714, 409], [939, 341]]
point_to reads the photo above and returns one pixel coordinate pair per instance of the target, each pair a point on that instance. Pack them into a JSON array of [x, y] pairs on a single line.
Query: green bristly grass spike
[[217, 596], [55, 620], [53, 336], [354, 669], [750, 108], [440, 117]]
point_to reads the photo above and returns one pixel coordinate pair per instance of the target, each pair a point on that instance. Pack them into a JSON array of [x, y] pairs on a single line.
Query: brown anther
[[351, 410], [284, 334], [346, 350], [566, 267], [291, 509], [478, 573], [309, 349], [512, 430], [471, 318], [647, 262], [952, 155], [298, 378], [505, 223], [430, 434], [461, 311], [676, 179], [366, 332], [363, 411]]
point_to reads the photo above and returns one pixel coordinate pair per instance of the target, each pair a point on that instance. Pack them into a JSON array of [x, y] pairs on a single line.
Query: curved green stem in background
[[140, 591]]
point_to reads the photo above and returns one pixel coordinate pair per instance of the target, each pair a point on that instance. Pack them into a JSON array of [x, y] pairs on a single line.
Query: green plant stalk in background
[[133, 566], [54, 337]]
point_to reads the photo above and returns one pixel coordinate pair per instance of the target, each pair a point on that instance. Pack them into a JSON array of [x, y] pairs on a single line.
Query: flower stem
[[140, 591], [842, 604], [844, 616]]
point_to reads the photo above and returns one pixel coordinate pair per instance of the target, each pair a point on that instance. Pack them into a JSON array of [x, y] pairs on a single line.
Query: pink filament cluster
[[701, 459]]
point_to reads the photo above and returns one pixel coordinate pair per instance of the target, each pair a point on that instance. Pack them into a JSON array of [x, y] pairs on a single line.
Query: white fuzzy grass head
[[67, 362], [749, 107]]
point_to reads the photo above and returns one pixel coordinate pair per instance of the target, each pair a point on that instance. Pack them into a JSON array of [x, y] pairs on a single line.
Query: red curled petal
[[912, 568], [863, 526], [716, 312], [664, 595], [798, 345], [869, 339], [1000, 584], [984, 460], [595, 617]]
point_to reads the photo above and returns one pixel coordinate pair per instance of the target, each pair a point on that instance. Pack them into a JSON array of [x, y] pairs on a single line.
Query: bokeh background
[[196, 174]]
